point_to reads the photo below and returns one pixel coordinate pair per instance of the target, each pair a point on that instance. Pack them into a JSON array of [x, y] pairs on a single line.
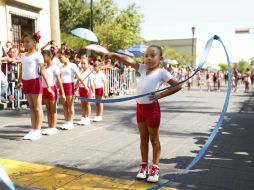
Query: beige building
[[28, 16], [216, 55]]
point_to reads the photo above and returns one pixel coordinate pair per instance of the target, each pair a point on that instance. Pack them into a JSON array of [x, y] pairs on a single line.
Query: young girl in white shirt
[[68, 73], [87, 76], [148, 109], [53, 75], [32, 63], [100, 89]]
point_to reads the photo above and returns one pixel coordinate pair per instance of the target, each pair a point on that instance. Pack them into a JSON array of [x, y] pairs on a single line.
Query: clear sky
[[173, 19]]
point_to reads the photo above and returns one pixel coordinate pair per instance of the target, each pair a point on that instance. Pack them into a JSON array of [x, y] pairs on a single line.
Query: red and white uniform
[[30, 73], [99, 79], [30, 65], [87, 77], [68, 73], [51, 73], [147, 110]]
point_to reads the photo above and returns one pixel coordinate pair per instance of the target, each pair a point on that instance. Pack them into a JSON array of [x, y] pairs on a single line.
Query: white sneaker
[[33, 135], [82, 121], [97, 118], [87, 121], [143, 171], [153, 174], [69, 126], [63, 126], [49, 131]]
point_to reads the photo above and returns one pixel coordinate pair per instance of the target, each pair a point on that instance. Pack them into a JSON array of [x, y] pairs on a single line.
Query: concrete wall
[[36, 9], [180, 45], [3, 30]]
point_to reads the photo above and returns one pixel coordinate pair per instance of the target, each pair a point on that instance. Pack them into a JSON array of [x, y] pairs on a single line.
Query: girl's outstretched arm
[[81, 80], [123, 58]]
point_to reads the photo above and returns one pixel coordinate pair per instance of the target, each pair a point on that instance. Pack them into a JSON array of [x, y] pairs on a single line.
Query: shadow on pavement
[[229, 161]]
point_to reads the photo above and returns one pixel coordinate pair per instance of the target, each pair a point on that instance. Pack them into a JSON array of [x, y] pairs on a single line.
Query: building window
[[20, 26]]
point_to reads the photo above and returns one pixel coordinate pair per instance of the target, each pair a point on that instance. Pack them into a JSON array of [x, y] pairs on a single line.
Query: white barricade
[[120, 81]]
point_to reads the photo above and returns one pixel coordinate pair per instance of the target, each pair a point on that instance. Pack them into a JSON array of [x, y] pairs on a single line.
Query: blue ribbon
[[215, 130], [202, 61], [5, 178]]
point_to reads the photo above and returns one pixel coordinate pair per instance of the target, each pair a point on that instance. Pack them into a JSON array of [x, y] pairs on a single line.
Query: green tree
[[115, 28], [73, 13], [182, 59], [242, 65], [223, 66], [130, 19], [113, 36], [104, 11], [72, 41]]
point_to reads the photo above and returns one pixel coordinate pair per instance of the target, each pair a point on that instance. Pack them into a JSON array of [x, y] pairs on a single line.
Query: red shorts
[[149, 113], [33, 86], [68, 89], [84, 93], [48, 96], [99, 91]]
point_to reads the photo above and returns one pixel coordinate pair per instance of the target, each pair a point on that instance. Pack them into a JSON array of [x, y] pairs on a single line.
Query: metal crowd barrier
[[119, 81], [14, 98]]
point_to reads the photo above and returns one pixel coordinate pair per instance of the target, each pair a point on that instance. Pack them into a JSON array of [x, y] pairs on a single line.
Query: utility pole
[[91, 14], [193, 29]]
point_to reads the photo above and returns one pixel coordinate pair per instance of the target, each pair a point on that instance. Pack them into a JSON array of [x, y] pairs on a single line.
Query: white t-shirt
[[98, 80], [86, 76], [151, 82], [51, 73], [68, 72], [30, 65], [57, 62]]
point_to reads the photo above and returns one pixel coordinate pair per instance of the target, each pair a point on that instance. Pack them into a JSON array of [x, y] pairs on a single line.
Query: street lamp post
[[193, 29], [91, 14]]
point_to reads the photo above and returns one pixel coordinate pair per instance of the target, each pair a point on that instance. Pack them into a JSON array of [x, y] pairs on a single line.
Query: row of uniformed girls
[[64, 77]]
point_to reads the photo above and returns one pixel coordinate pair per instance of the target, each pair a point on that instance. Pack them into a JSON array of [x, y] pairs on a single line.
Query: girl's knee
[[144, 140], [37, 109], [155, 142], [52, 110], [70, 111]]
